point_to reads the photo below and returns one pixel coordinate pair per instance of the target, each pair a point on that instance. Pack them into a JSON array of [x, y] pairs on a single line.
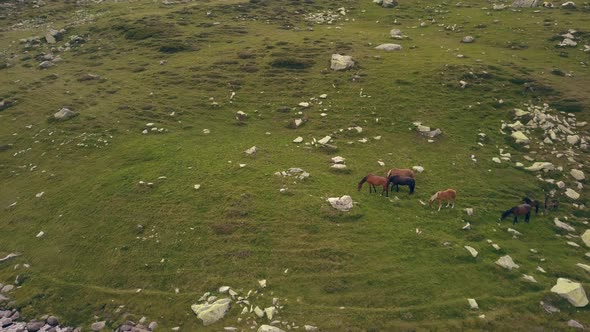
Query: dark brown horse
[[519, 210], [374, 180], [403, 180], [533, 203]]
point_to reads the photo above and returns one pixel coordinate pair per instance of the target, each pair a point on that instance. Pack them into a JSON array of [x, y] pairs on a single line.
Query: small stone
[[473, 304], [34, 326], [540, 269], [575, 324], [310, 328], [52, 320], [269, 328], [471, 250], [224, 289], [152, 326], [298, 140], [577, 174], [496, 160], [584, 267], [418, 169], [64, 114], [529, 278], [468, 39], [262, 283], [259, 312], [572, 193], [40, 234], [251, 151]]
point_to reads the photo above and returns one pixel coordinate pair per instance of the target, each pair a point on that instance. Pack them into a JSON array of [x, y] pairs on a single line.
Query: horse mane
[[361, 183], [506, 214], [433, 197]]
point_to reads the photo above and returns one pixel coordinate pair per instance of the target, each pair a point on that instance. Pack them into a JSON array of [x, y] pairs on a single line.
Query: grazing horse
[[449, 195], [533, 203], [551, 203], [396, 180], [373, 180], [400, 172], [519, 210]]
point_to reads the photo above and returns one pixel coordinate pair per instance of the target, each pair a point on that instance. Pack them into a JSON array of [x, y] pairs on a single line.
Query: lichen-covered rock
[[210, 313], [572, 291], [341, 62]]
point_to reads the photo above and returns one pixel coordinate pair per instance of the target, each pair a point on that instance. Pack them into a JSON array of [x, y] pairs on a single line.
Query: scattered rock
[[586, 237], [341, 62], [473, 304], [251, 151], [541, 165], [64, 114], [575, 324], [525, 3], [343, 203], [468, 39], [98, 326], [389, 47], [572, 291], [568, 5], [298, 140], [471, 250], [577, 174], [507, 262], [520, 137], [584, 267], [563, 225], [210, 313], [418, 169], [269, 328], [529, 278], [572, 193]]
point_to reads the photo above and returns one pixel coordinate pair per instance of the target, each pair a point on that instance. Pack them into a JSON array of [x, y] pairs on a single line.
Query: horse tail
[[361, 183], [506, 214]]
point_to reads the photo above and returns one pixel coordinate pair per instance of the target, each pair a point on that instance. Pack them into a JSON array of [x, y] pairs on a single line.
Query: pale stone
[[573, 244], [269, 328], [210, 313], [577, 174], [572, 291], [325, 140], [418, 169], [270, 312], [338, 160], [563, 225], [341, 62], [471, 250], [584, 267], [541, 165], [343, 203], [520, 137], [572, 193], [258, 312], [507, 263], [496, 160], [573, 139], [586, 237], [338, 166], [473, 304], [304, 104], [389, 47], [251, 151], [298, 140], [529, 278]]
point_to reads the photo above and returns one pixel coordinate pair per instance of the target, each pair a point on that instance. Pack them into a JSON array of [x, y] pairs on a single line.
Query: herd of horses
[[406, 177]]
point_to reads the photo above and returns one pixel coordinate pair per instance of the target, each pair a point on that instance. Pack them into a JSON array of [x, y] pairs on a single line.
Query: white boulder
[[210, 313], [343, 203], [577, 174], [507, 263], [571, 291], [389, 47]]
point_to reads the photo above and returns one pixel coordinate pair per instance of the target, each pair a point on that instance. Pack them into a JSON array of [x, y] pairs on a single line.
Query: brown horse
[[405, 172], [533, 203], [519, 210], [374, 180], [449, 196]]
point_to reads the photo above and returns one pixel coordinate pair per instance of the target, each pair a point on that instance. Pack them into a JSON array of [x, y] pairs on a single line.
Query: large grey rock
[[389, 3], [64, 114], [520, 137], [343, 203], [569, 192], [389, 47], [526, 3], [46, 64], [572, 291], [563, 225], [34, 326], [468, 39], [98, 326], [568, 5], [341, 62], [269, 328], [52, 320], [210, 313], [577, 174], [541, 165], [507, 263], [586, 237]]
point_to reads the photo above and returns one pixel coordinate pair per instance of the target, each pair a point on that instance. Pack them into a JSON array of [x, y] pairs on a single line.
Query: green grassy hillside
[[118, 250]]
